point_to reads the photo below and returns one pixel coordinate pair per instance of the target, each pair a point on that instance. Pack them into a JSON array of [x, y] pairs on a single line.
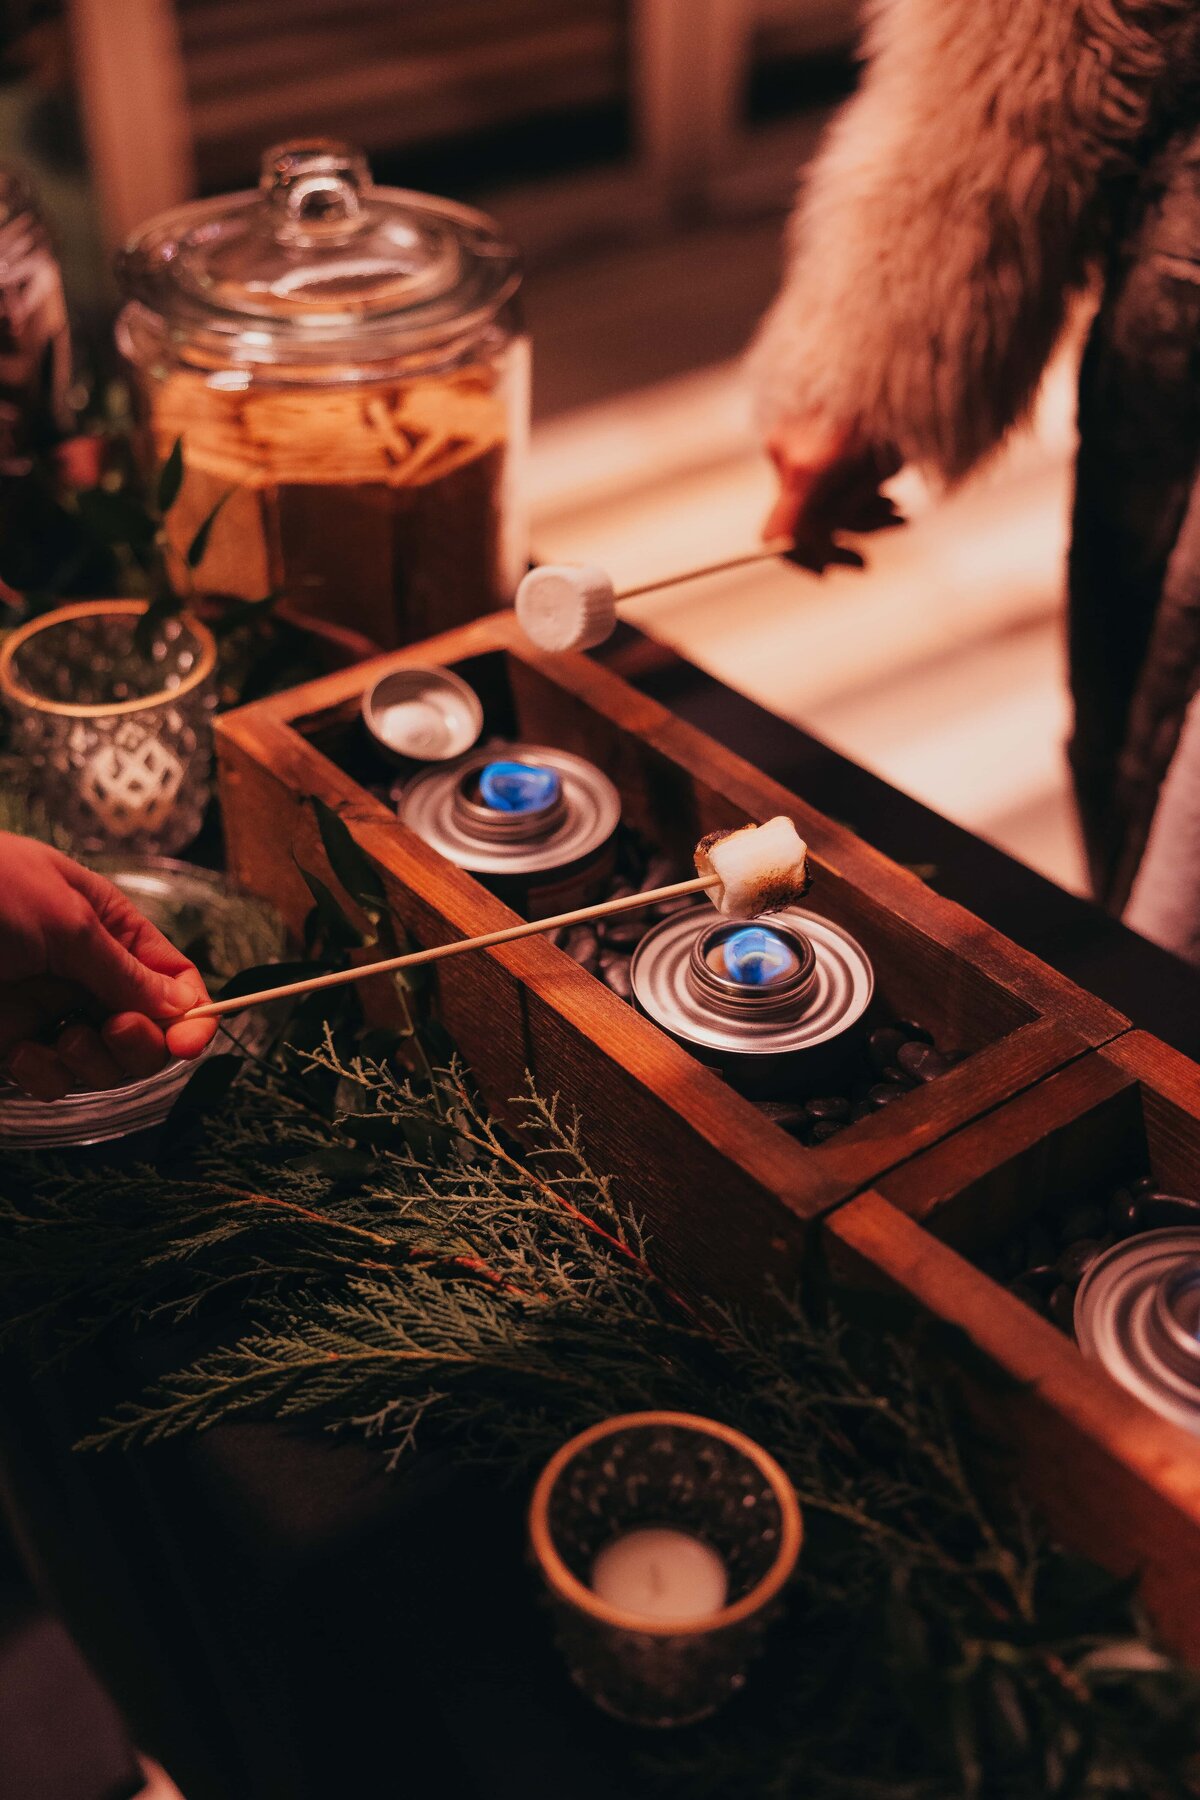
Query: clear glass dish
[[223, 931]]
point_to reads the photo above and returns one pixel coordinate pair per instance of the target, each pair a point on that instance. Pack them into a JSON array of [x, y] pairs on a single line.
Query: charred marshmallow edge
[[566, 606], [761, 868]]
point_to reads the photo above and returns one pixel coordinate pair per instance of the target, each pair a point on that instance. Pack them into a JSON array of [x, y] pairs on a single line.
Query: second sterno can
[[535, 824], [1137, 1312], [773, 1002]]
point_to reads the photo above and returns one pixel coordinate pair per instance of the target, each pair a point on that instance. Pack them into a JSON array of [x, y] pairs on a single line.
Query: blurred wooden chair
[[185, 94]]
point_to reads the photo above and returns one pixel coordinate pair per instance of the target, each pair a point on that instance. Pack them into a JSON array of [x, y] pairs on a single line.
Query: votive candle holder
[[692, 1475]]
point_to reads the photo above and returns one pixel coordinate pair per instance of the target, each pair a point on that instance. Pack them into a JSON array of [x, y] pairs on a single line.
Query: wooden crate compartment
[[1114, 1478], [726, 1195], [1132, 1109]]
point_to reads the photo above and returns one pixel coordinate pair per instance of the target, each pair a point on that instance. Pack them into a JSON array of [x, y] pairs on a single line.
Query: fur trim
[[947, 219]]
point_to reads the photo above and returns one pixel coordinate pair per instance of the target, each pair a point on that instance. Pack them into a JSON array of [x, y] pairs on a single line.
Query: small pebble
[[1077, 1258], [899, 1078], [830, 1106], [789, 1115], [884, 1092], [615, 975], [1159, 1210], [862, 1109], [916, 1034], [1043, 1279], [883, 1045], [1027, 1295], [626, 930], [582, 943], [1124, 1213], [824, 1129], [1062, 1307], [1145, 1184], [922, 1061], [1081, 1222]]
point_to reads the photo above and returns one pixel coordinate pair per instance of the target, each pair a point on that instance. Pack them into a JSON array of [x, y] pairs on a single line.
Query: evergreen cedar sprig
[[398, 1264]]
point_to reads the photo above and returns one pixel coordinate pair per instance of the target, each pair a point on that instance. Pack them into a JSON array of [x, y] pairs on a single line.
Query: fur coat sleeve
[[947, 218]]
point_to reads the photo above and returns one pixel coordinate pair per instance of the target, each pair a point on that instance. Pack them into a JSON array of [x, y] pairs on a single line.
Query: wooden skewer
[[215, 1009], [767, 553]]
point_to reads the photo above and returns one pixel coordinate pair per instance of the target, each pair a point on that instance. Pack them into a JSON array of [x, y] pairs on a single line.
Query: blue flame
[[754, 956], [515, 787]]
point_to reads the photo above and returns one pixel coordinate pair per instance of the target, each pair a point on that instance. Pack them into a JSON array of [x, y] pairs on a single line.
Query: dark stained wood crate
[[1116, 1480], [727, 1196]]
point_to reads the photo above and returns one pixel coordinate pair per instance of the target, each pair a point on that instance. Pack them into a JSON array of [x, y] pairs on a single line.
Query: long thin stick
[[214, 1009], [769, 551]]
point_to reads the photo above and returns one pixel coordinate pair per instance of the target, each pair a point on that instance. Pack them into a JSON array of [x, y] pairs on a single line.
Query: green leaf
[[206, 1088], [116, 518], [145, 632], [352, 866], [170, 478], [198, 547], [335, 930]]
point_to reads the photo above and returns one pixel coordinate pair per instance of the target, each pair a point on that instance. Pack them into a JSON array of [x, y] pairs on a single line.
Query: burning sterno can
[[773, 1001], [1137, 1312], [536, 825]]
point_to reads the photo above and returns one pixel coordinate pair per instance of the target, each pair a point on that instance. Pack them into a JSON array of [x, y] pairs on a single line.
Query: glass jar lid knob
[[315, 188]]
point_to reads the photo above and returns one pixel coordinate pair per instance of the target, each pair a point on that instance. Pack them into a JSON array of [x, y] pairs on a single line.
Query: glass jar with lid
[[345, 366]]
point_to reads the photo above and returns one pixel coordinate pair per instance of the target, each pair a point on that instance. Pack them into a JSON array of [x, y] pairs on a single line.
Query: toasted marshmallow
[[761, 868], [565, 606]]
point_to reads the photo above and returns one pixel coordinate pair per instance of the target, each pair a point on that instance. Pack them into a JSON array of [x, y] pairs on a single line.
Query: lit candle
[[662, 1574]]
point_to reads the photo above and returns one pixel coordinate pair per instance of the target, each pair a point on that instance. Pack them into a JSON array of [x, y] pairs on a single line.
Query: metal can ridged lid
[[813, 1002], [1137, 1313], [586, 810], [424, 715]]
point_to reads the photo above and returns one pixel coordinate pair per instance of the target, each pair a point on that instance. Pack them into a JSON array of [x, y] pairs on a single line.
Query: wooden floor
[[941, 666]]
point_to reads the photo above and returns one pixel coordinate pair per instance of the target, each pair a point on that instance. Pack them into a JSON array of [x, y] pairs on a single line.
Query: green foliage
[[398, 1264]]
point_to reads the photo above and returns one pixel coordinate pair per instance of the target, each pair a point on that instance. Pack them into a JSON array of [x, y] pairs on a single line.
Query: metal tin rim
[[1115, 1326], [422, 678], [593, 812], [741, 1001], [836, 1000]]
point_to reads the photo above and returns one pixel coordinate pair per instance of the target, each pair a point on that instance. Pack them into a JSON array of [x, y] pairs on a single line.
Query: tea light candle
[[663, 1574]]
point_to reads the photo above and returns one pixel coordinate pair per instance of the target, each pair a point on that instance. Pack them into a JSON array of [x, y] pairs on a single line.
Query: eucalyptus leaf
[[352, 866], [334, 928], [198, 547], [145, 632], [207, 1086], [170, 477]]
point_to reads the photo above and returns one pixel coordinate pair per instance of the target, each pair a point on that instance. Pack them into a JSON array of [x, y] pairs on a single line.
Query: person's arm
[[87, 985], [944, 227]]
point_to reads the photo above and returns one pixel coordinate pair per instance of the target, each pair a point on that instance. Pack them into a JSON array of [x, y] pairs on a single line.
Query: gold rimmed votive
[[115, 743], [665, 1542]]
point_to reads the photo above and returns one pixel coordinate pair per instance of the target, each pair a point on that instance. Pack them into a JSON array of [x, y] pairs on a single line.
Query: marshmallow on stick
[[761, 868], [573, 606]]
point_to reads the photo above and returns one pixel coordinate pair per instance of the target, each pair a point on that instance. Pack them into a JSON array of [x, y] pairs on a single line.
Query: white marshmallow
[[565, 606], [761, 868]]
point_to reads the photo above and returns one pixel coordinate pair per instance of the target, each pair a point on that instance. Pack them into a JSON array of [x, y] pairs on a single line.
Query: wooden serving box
[[726, 1196], [1116, 1480]]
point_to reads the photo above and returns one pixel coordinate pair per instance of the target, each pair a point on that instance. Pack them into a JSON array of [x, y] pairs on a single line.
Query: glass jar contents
[[345, 363]]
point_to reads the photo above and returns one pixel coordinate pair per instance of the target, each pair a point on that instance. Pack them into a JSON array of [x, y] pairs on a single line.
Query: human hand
[[829, 482], [71, 943]]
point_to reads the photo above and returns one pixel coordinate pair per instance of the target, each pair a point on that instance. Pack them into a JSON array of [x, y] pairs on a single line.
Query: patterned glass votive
[[697, 1531], [116, 745]]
